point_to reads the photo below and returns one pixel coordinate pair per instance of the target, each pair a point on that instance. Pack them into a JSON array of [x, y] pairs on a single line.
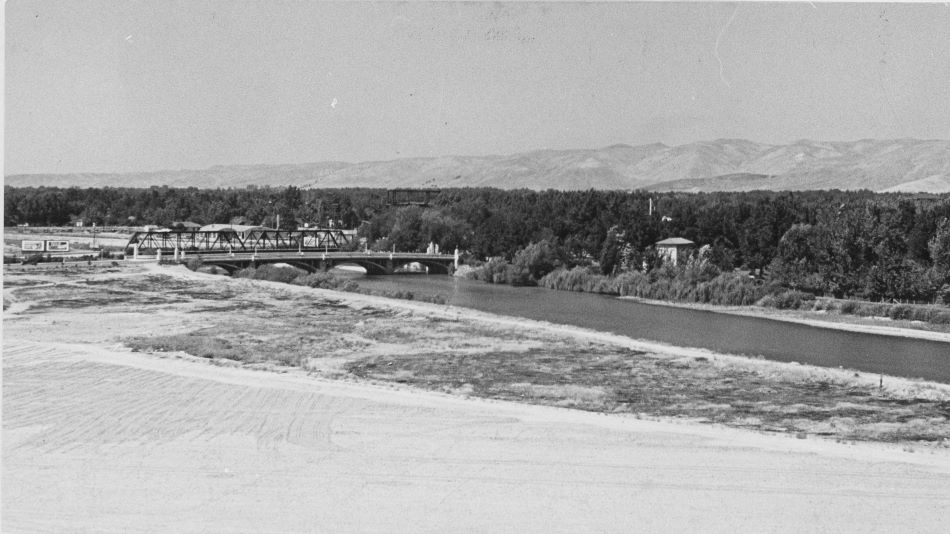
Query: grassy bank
[[358, 337], [686, 285]]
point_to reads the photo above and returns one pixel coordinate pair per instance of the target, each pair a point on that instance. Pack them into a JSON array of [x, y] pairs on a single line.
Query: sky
[[122, 86]]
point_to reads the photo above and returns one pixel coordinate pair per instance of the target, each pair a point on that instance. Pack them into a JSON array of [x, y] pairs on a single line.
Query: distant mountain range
[[722, 165]]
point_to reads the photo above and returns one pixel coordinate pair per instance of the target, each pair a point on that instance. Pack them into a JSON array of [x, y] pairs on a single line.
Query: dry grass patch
[[246, 322]]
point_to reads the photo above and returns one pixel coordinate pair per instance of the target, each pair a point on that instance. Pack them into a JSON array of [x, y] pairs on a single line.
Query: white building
[[674, 249]]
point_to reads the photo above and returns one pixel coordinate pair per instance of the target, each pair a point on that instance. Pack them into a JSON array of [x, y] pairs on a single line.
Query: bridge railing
[[327, 239]]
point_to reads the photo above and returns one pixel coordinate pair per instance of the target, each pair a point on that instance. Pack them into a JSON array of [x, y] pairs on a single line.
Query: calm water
[[690, 328]]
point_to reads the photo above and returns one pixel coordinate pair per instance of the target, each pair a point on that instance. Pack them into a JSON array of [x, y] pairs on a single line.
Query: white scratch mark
[[129, 38], [334, 103], [719, 39]]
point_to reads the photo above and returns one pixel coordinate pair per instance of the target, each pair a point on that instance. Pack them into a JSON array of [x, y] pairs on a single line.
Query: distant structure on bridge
[[242, 230], [411, 197]]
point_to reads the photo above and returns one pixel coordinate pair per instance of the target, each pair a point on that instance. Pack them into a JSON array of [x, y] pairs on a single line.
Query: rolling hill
[[721, 165]]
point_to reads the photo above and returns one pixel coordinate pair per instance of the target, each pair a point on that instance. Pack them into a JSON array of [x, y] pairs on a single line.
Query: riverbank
[[171, 312], [866, 325]]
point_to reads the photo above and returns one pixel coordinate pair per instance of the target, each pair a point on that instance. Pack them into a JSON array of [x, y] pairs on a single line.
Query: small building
[[240, 229], [674, 249]]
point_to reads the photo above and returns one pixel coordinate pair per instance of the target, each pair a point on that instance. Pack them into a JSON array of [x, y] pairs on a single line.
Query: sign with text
[[57, 246], [32, 246]]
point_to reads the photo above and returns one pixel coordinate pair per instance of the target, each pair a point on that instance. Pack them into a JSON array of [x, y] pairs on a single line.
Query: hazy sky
[[102, 86]]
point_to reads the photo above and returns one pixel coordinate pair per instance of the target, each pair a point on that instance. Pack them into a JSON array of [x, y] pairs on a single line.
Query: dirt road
[[101, 440]]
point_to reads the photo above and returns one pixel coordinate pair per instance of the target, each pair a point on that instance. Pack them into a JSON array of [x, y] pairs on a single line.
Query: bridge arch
[[371, 267], [304, 265], [432, 267]]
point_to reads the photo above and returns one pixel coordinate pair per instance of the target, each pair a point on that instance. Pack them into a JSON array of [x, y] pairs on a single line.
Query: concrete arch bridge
[[372, 262]]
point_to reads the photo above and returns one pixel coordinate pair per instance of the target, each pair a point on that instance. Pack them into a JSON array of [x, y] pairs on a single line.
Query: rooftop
[[234, 227], [673, 241]]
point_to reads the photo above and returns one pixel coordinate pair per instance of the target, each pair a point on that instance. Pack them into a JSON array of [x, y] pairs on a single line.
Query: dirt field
[[99, 438]]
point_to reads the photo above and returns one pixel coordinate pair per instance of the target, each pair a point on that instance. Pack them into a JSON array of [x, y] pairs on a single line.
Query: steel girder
[[325, 239]]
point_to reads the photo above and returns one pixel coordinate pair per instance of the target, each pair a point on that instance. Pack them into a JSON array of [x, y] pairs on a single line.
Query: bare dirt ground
[[98, 438]]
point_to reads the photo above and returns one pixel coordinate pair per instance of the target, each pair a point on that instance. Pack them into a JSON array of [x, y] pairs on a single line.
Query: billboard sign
[[57, 246], [32, 246]]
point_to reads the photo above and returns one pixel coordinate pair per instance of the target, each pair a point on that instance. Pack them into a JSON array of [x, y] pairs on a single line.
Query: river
[[719, 332]]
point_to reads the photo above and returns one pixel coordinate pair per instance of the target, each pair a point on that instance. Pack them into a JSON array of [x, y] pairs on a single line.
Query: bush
[[791, 300], [494, 271], [271, 273], [583, 279], [848, 307], [320, 280], [899, 312], [195, 344], [194, 263]]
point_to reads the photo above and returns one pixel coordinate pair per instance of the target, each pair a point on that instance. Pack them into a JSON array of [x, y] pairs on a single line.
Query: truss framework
[[326, 239]]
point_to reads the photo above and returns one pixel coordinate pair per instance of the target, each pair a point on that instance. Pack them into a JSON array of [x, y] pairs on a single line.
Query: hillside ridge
[[720, 165]]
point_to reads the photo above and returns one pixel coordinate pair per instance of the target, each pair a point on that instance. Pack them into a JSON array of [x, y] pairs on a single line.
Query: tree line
[[118, 206], [835, 243]]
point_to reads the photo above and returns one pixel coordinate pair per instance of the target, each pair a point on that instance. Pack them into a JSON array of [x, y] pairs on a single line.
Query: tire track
[[94, 403], [109, 447]]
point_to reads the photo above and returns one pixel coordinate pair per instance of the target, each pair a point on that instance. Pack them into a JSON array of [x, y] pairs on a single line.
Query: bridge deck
[[373, 262]]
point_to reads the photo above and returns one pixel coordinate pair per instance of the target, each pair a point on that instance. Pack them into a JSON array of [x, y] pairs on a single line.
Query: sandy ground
[[100, 439]]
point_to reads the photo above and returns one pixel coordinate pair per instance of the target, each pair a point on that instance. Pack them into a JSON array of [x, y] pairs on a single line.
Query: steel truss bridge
[[228, 240], [311, 250]]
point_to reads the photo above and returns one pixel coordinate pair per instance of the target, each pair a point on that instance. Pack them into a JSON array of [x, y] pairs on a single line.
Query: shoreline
[[460, 313], [791, 317], [425, 335]]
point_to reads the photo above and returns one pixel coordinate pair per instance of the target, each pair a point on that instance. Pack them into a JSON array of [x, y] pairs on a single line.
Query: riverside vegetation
[[842, 244], [696, 281]]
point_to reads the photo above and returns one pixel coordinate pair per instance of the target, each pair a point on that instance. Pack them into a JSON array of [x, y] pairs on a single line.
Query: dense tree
[[855, 243]]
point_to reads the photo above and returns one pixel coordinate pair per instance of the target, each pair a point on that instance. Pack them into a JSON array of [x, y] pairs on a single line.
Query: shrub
[[271, 273], [194, 263], [899, 312], [320, 280], [792, 299], [849, 307], [196, 344], [582, 279]]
